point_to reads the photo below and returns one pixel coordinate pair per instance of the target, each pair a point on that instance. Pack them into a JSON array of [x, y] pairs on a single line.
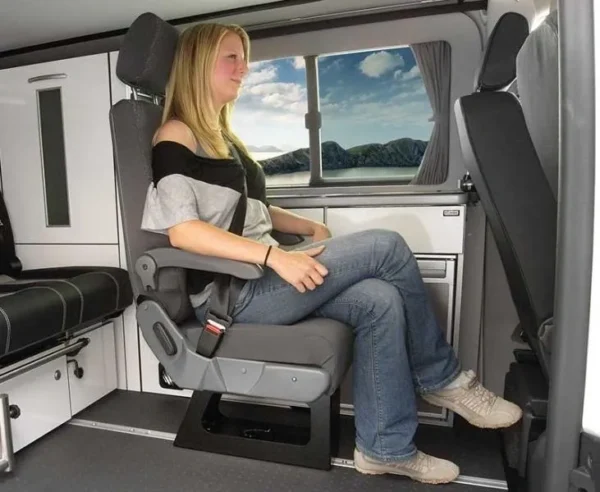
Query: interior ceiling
[[25, 23]]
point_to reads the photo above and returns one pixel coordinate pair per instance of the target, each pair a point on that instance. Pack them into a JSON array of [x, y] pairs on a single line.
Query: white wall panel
[[119, 89], [427, 230], [88, 151], [59, 255]]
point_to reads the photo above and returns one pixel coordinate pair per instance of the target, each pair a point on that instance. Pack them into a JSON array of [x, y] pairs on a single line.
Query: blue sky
[[366, 97]]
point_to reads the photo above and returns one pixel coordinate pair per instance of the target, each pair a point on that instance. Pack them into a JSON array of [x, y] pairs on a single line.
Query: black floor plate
[[477, 452], [92, 460]]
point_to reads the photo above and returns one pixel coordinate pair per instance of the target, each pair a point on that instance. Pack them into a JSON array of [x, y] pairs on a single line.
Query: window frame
[[463, 34], [313, 124]]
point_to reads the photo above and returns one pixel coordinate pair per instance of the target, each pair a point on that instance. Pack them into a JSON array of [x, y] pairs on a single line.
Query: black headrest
[[499, 68], [147, 54]]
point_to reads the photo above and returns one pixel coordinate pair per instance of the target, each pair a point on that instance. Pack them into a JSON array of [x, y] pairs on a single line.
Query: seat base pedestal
[[297, 436], [526, 386]]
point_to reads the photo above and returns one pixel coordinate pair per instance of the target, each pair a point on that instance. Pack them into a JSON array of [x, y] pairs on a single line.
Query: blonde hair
[[188, 93]]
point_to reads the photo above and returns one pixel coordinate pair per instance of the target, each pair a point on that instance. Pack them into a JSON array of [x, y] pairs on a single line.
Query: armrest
[[148, 265], [286, 239]]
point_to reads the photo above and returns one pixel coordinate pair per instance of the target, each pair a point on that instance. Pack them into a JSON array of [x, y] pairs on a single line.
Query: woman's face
[[230, 69]]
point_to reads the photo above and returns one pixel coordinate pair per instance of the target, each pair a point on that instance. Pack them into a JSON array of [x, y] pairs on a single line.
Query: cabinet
[[56, 152], [93, 371], [41, 397], [48, 395]]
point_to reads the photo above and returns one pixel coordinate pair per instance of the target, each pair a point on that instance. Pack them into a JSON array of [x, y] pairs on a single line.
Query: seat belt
[[225, 291]]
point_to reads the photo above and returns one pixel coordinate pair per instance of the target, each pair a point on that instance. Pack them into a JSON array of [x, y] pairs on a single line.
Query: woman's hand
[[299, 268], [321, 232]]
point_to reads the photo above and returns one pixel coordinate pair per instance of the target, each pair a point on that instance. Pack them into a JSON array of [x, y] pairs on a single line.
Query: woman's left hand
[[320, 233]]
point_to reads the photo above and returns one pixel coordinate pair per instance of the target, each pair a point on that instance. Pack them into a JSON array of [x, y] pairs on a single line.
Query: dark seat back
[[144, 64], [517, 199]]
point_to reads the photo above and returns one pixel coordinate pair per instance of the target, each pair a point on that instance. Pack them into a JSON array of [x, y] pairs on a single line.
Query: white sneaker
[[479, 406], [421, 467]]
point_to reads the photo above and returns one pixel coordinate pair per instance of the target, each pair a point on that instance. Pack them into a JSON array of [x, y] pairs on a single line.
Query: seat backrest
[[9, 262], [516, 197], [537, 73], [144, 64]]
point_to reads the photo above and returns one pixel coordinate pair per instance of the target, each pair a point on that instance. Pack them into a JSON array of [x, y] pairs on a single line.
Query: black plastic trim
[[175, 22], [575, 241]]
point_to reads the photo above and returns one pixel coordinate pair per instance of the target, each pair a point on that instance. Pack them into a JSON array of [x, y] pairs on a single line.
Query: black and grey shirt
[[190, 186]]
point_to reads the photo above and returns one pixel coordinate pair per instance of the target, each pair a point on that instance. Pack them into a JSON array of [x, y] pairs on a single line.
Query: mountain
[[404, 152], [263, 148]]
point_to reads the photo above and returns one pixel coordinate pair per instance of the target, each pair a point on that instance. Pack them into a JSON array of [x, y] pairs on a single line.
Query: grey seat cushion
[[314, 342]]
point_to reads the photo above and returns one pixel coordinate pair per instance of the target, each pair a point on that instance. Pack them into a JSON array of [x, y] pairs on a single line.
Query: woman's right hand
[[299, 268]]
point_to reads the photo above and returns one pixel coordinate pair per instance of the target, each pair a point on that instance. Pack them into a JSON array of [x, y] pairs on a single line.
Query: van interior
[[465, 125]]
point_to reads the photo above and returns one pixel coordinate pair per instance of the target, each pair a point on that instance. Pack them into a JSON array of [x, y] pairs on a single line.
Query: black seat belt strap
[[224, 293]]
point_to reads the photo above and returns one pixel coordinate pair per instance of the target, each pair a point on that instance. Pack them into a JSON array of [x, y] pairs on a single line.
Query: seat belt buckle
[[212, 333]]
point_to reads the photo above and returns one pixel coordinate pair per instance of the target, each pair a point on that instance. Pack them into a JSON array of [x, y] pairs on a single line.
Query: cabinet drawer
[[97, 373], [427, 230], [42, 396]]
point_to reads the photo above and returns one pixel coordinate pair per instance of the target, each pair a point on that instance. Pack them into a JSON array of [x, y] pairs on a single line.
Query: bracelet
[[267, 255]]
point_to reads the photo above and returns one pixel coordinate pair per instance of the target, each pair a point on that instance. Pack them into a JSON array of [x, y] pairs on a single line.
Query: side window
[[382, 120], [376, 116], [269, 118]]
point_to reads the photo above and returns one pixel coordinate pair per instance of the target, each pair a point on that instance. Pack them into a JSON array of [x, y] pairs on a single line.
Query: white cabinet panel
[[90, 181], [59, 255], [119, 89], [310, 213], [427, 230], [42, 395], [99, 366]]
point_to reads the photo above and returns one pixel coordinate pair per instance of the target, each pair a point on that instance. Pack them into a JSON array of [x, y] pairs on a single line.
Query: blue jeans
[[374, 285]]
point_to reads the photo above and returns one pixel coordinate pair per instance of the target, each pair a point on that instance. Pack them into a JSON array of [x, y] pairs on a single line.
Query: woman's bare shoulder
[[175, 131]]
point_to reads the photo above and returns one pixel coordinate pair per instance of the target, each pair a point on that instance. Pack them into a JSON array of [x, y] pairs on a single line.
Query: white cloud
[[376, 64], [257, 64], [336, 64], [412, 74], [266, 74], [299, 63]]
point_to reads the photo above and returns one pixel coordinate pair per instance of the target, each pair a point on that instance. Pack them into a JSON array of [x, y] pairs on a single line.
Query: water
[[357, 174]]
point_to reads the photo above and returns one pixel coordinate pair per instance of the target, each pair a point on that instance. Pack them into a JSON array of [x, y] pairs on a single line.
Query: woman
[[368, 280]]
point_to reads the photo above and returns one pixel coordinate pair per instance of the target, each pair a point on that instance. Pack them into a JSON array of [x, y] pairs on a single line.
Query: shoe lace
[[477, 397], [420, 463]]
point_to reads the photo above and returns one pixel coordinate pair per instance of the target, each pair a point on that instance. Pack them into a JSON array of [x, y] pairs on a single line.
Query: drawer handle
[[50, 76]]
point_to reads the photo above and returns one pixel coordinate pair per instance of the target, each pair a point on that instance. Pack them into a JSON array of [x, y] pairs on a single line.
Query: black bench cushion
[[44, 304]]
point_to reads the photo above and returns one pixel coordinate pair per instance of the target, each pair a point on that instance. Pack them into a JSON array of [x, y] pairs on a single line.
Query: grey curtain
[[434, 63]]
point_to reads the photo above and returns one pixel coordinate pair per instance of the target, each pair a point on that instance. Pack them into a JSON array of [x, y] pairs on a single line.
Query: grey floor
[[477, 452], [92, 460]]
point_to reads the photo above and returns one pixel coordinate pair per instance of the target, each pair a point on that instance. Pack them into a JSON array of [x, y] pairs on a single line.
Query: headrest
[[147, 54], [498, 69]]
